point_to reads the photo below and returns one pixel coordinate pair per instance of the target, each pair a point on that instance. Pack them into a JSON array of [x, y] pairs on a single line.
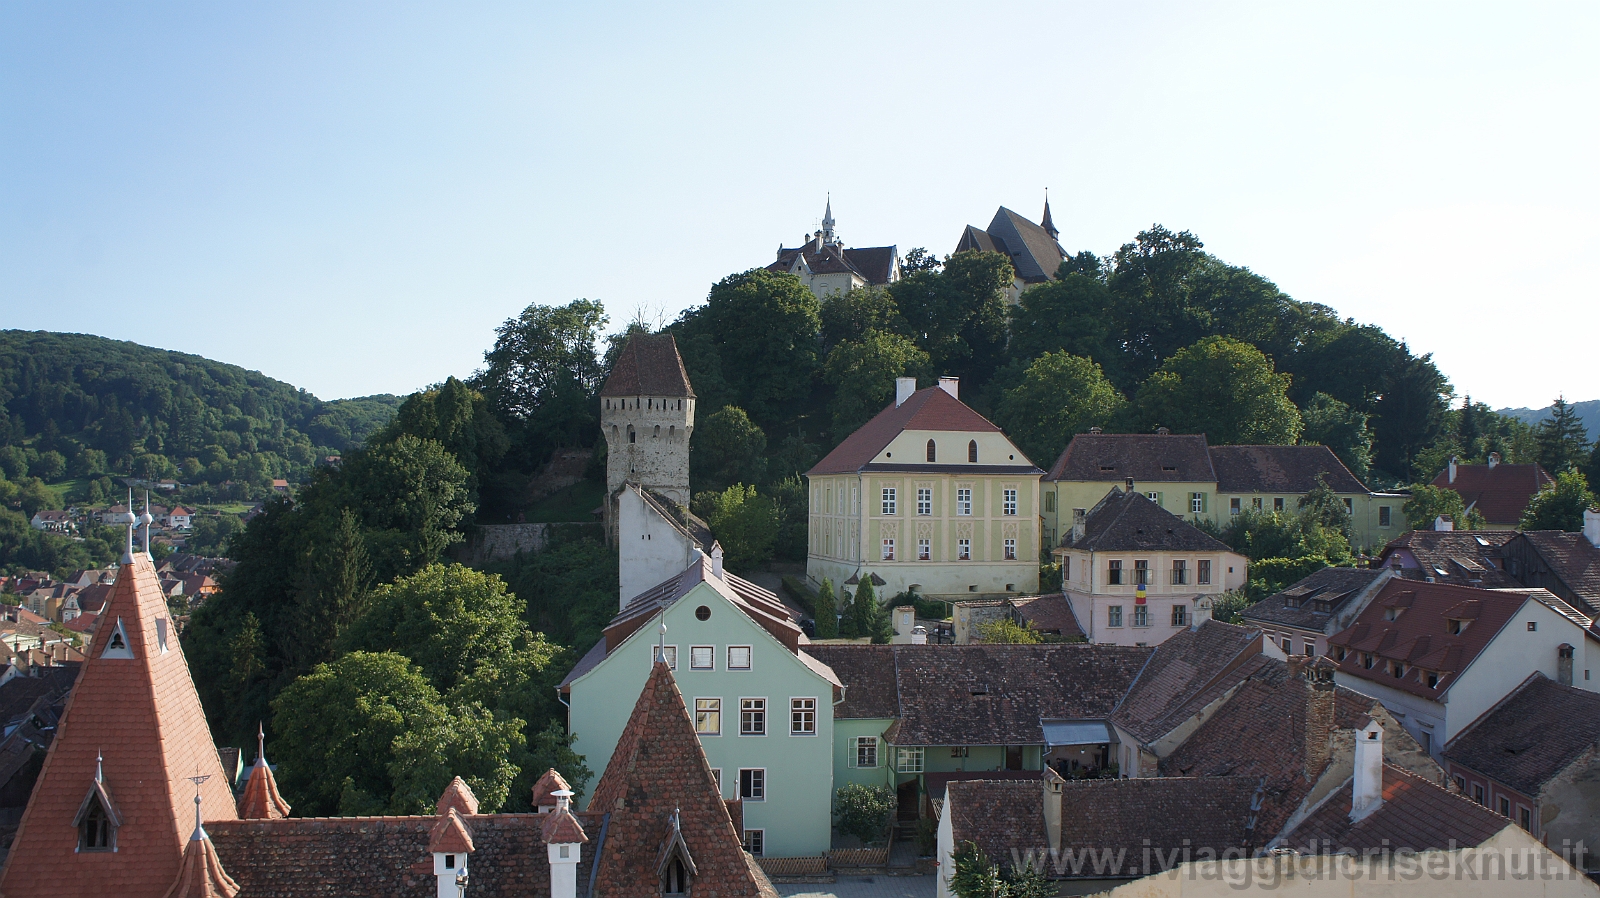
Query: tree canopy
[[1224, 388]]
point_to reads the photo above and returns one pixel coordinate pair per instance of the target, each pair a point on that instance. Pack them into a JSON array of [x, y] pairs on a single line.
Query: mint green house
[[763, 707]]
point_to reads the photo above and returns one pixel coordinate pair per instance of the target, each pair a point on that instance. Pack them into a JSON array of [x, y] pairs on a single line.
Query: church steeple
[[827, 223], [1048, 225]]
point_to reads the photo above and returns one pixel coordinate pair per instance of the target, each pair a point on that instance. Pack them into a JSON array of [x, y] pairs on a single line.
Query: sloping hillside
[[1588, 413]]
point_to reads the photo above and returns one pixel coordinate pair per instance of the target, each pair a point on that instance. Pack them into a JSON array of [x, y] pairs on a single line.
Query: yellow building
[[927, 496]]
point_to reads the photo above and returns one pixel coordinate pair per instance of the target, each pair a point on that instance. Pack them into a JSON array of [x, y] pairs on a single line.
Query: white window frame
[[714, 707], [762, 775], [924, 549], [963, 550], [749, 657], [1197, 502], [859, 744], [671, 653], [924, 501], [888, 548], [1010, 550], [797, 706], [1008, 504], [744, 709], [964, 501], [757, 846], [891, 499], [909, 760], [710, 655]]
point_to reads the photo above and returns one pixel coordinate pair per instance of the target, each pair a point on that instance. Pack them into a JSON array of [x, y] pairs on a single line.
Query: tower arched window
[[675, 878], [630, 433], [932, 455], [657, 432], [972, 451]]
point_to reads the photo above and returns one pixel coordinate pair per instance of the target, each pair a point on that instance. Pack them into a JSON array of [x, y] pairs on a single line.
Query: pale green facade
[[794, 813]]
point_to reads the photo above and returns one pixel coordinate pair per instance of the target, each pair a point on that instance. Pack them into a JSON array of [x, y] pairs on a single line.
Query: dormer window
[[675, 878], [117, 645], [97, 820], [1397, 669], [1456, 626], [1367, 660], [1432, 679], [1391, 613]]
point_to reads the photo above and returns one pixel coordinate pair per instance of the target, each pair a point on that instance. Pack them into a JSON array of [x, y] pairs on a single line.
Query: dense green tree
[[1223, 388], [1591, 469], [1072, 314], [50, 466], [1428, 503], [552, 748], [570, 588], [209, 534], [862, 373], [848, 315], [790, 500], [1005, 631], [727, 448], [1331, 423], [863, 811], [1059, 395], [1560, 505], [744, 522], [868, 616], [542, 376], [1409, 413], [958, 315], [827, 611], [335, 576], [458, 418], [1562, 440]]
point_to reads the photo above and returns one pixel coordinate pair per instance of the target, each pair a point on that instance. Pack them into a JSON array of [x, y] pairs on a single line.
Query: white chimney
[[905, 620], [1452, 469], [903, 388], [1052, 807], [1591, 526], [564, 855], [1494, 459], [1202, 612], [951, 385], [716, 561], [919, 635], [1080, 524], [1367, 789], [1443, 523]]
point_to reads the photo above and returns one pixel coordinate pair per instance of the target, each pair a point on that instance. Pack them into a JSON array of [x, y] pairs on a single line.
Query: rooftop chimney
[[1319, 715], [1452, 469], [1443, 523], [1494, 459], [1366, 792], [1591, 526], [919, 635], [716, 561], [1162, 431], [951, 385], [1129, 483], [1202, 612], [1097, 430], [564, 838], [1080, 523], [1052, 807], [903, 388], [1564, 654]]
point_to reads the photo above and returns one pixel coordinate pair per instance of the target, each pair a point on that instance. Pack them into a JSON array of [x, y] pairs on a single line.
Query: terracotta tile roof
[[1129, 522], [1280, 469], [450, 835], [1146, 457], [998, 694], [1419, 635], [930, 408], [200, 874], [1415, 814], [143, 713], [561, 827], [1532, 735], [1500, 493], [1312, 602], [544, 790], [260, 799], [1463, 557], [997, 814], [649, 365], [658, 773], [457, 796], [1572, 559], [1260, 732], [867, 671], [1185, 673], [1050, 613]]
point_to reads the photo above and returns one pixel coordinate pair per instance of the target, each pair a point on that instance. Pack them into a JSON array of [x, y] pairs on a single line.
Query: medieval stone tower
[[647, 415]]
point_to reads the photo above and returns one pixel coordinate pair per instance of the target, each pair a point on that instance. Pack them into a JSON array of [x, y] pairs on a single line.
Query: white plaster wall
[[1509, 658], [650, 548]]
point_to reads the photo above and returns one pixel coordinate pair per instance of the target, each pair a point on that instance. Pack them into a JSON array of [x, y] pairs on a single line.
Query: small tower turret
[[647, 417], [1048, 225], [829, 238]]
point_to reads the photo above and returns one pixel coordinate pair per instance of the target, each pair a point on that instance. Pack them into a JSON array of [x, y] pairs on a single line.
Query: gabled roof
[[868, 673], [1500, 493], [1419, 635], [1189, 670], [1462, 557], [658, 771], [649, 365], [1531, 736], [1313, 601], [143, 713], [1146, 457], [1049, 613], [544, 790], [930, 409], [875, 263], [1128, 522], [1572, 559], [1034, 254], [1415, 814], [450, 835], [1280, 469]]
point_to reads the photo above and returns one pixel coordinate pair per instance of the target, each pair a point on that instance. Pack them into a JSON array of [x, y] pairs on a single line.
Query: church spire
[[1048, 225], [827, 222]]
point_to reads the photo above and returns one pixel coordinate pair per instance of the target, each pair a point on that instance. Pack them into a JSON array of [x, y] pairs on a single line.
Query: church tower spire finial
[[1048, 225], [827, 222]]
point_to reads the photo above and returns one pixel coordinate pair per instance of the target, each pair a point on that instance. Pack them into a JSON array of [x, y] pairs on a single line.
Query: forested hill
[[1588, 413], [109, 406]]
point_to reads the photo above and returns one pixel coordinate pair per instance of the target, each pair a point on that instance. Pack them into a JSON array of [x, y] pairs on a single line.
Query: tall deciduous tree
[[727, 448], [862, 373], [1331, 423], [1223, 388], [1070, 315], [1560, 505], [827, 611], [958, 315], [542, 375], [1060, 395], [744, 522], [1427, 503]]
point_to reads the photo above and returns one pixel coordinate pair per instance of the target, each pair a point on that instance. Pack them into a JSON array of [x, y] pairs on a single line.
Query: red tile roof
[[562, 828], [544, 790], [930, 408], [450, 835], [143, 714], [649, 365], [457, 796], [260, 799], [1500, 493], [1415, 814], [201, 874]]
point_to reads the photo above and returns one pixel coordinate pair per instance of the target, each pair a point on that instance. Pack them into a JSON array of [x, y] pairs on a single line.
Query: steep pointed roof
[[544, 790], [1034, 253], [648, 365], [657, 770], [450, 835], [1048, 225], [201, 874], [260, 799], [138, 704], [457, 795]]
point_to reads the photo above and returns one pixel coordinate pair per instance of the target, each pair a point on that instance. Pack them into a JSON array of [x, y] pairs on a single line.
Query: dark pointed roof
[[1128, 521], [1532, 735], [1048, 225], [658, 772], [649, 365], [1146, 457], [1034, 252]]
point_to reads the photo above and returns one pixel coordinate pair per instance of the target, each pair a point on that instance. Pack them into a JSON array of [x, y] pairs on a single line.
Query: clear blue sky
[[350, 197]]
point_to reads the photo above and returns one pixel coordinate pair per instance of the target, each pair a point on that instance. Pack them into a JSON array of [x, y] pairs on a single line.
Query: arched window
[[672, 432], [931, 454], [630, 434], [657, 432], [95, 833], [675, 878], [972, 451]]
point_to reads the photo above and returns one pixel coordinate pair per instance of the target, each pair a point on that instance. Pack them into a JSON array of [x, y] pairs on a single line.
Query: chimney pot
[[903, 388], [1129, 482], [716, 561], [1367, 788], [1096, 430], [1452, 469], [1162, 431], [1443, 523], [951, 385]]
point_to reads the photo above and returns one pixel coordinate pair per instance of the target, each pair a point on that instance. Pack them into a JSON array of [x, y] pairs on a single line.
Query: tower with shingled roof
[[647, 416]]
